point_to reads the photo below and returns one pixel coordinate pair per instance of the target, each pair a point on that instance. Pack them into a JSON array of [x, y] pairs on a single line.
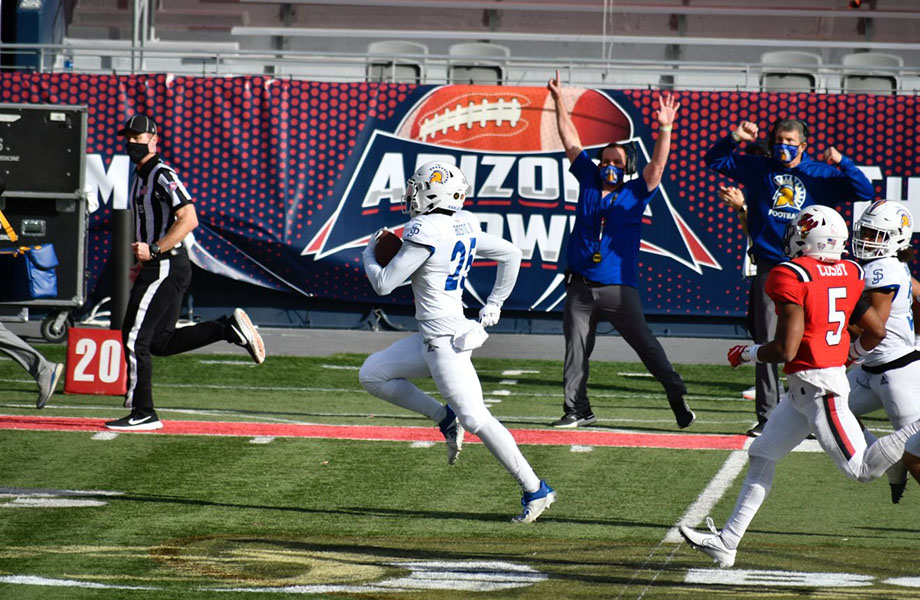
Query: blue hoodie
[[775, 193]]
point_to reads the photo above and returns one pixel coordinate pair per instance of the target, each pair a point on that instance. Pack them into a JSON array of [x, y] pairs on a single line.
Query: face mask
[[137, 152], [785, 153], [611, 175]]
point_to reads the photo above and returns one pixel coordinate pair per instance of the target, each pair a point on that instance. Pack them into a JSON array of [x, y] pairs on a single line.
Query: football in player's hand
[[388, 244]]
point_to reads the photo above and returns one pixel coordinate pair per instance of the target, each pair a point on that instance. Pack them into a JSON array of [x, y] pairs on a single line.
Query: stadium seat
[[477, 63], [862, 75], [794, 71], [400, 66]]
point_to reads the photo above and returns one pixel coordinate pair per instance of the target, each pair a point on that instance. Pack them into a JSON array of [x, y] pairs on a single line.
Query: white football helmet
[[883, 230], [435, 185], [817, 231]]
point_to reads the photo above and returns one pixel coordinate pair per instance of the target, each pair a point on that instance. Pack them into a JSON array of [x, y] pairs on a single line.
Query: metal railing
[[114, 57]]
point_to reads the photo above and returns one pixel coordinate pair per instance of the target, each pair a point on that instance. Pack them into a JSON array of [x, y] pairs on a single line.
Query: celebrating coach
[[163, 216], [603, 255], [778, 187]]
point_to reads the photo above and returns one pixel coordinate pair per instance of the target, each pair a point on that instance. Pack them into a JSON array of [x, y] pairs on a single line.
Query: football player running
[[889, 375], [440, 243], [816, 294]]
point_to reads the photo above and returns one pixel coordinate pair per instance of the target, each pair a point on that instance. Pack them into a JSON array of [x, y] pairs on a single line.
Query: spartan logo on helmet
[[884, 229]]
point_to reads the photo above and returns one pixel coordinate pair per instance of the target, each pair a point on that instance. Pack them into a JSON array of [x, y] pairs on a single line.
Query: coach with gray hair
[[778, 186]]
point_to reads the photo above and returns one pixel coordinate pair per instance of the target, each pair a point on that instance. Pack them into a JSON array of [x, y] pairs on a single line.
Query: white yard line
[[710, 496], [693, 516]]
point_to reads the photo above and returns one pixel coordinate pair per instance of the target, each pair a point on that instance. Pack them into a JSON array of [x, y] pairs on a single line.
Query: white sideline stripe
[[710, 496], [105, 436], [492, 400], [577, 448], [501, 393], [342, 367], [518, 372], [421, 444], [629, 374], [262, 439], [508, 382]]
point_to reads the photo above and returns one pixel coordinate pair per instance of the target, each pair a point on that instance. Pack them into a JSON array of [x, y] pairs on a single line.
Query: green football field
[[259, 486]]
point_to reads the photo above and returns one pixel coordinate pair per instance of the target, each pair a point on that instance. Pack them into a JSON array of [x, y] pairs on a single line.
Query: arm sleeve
[[583, 168], [724, 159], [178, 195], [859, 185], [509, 263], [386, 279]]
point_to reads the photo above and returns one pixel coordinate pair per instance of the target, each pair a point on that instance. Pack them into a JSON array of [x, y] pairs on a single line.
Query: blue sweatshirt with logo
[[775, 193]]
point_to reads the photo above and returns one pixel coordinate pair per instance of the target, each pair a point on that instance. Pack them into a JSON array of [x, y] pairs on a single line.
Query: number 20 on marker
[[95, 362]]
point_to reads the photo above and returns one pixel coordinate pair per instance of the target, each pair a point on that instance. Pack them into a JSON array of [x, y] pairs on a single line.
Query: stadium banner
[[291, 178]]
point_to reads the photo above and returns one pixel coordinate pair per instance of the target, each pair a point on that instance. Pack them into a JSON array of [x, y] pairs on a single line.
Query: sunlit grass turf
[[201, 512]]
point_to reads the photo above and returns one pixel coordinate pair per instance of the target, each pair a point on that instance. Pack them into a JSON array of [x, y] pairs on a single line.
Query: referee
[[163, 216]]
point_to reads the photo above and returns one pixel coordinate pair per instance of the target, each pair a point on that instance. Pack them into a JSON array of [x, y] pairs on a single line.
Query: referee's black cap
[[139, 124]]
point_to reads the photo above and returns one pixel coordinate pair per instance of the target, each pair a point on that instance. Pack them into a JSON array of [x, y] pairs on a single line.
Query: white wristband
[[752, 351], [857, 350]]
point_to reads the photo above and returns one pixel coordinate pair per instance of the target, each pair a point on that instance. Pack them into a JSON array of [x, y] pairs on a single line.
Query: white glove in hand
[[489, 315]]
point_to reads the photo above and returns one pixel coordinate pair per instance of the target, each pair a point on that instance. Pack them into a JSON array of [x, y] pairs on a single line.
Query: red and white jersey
[[828, 292]]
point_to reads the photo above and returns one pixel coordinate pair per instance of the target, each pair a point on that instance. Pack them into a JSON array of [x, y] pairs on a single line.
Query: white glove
[[489, 315]]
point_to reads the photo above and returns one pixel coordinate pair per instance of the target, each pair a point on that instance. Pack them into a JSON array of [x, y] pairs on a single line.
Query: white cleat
[[710, 544], [535, 503]]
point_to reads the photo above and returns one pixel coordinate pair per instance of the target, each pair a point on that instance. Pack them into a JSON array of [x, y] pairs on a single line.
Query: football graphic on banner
[[509, 119]]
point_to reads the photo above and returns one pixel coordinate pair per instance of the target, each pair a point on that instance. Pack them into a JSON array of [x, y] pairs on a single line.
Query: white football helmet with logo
[[883, 230], [435, 185], [817, 231]]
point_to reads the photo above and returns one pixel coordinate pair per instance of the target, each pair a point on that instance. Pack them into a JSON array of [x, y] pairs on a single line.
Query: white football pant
[[895, 390], [386, 374], [810, 409]]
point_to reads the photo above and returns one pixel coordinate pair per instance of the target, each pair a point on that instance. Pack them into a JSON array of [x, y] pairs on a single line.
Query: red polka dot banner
[[290, 178]]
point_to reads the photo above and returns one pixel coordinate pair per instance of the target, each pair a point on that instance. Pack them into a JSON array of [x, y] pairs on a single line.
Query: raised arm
[[666, 113], [856, 182], [567, 132]]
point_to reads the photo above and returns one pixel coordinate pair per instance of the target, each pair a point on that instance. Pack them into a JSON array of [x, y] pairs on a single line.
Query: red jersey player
[[816, 295]]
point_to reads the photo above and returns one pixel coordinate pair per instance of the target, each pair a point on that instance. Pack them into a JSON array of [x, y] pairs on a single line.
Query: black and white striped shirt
[[156, 195]]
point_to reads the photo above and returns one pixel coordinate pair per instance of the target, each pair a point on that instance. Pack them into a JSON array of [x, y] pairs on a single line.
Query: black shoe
[[570, 421], [897, 490], [756, 430], [682, 412], [136, 422]]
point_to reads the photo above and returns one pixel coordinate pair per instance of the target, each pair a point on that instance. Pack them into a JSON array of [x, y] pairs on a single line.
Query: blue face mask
[[785, 153], [611, 175]]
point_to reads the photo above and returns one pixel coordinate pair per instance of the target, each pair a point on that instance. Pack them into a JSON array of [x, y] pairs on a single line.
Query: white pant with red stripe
[[810, 408]]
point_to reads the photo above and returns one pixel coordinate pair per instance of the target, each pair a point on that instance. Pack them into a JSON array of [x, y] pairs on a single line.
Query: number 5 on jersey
[[95, 362]]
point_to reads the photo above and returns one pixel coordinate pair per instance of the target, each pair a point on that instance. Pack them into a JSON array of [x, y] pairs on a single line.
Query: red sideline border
[[545, 437]]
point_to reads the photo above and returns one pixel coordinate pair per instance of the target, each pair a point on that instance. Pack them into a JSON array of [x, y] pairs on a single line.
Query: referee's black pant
[[150, 324]]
